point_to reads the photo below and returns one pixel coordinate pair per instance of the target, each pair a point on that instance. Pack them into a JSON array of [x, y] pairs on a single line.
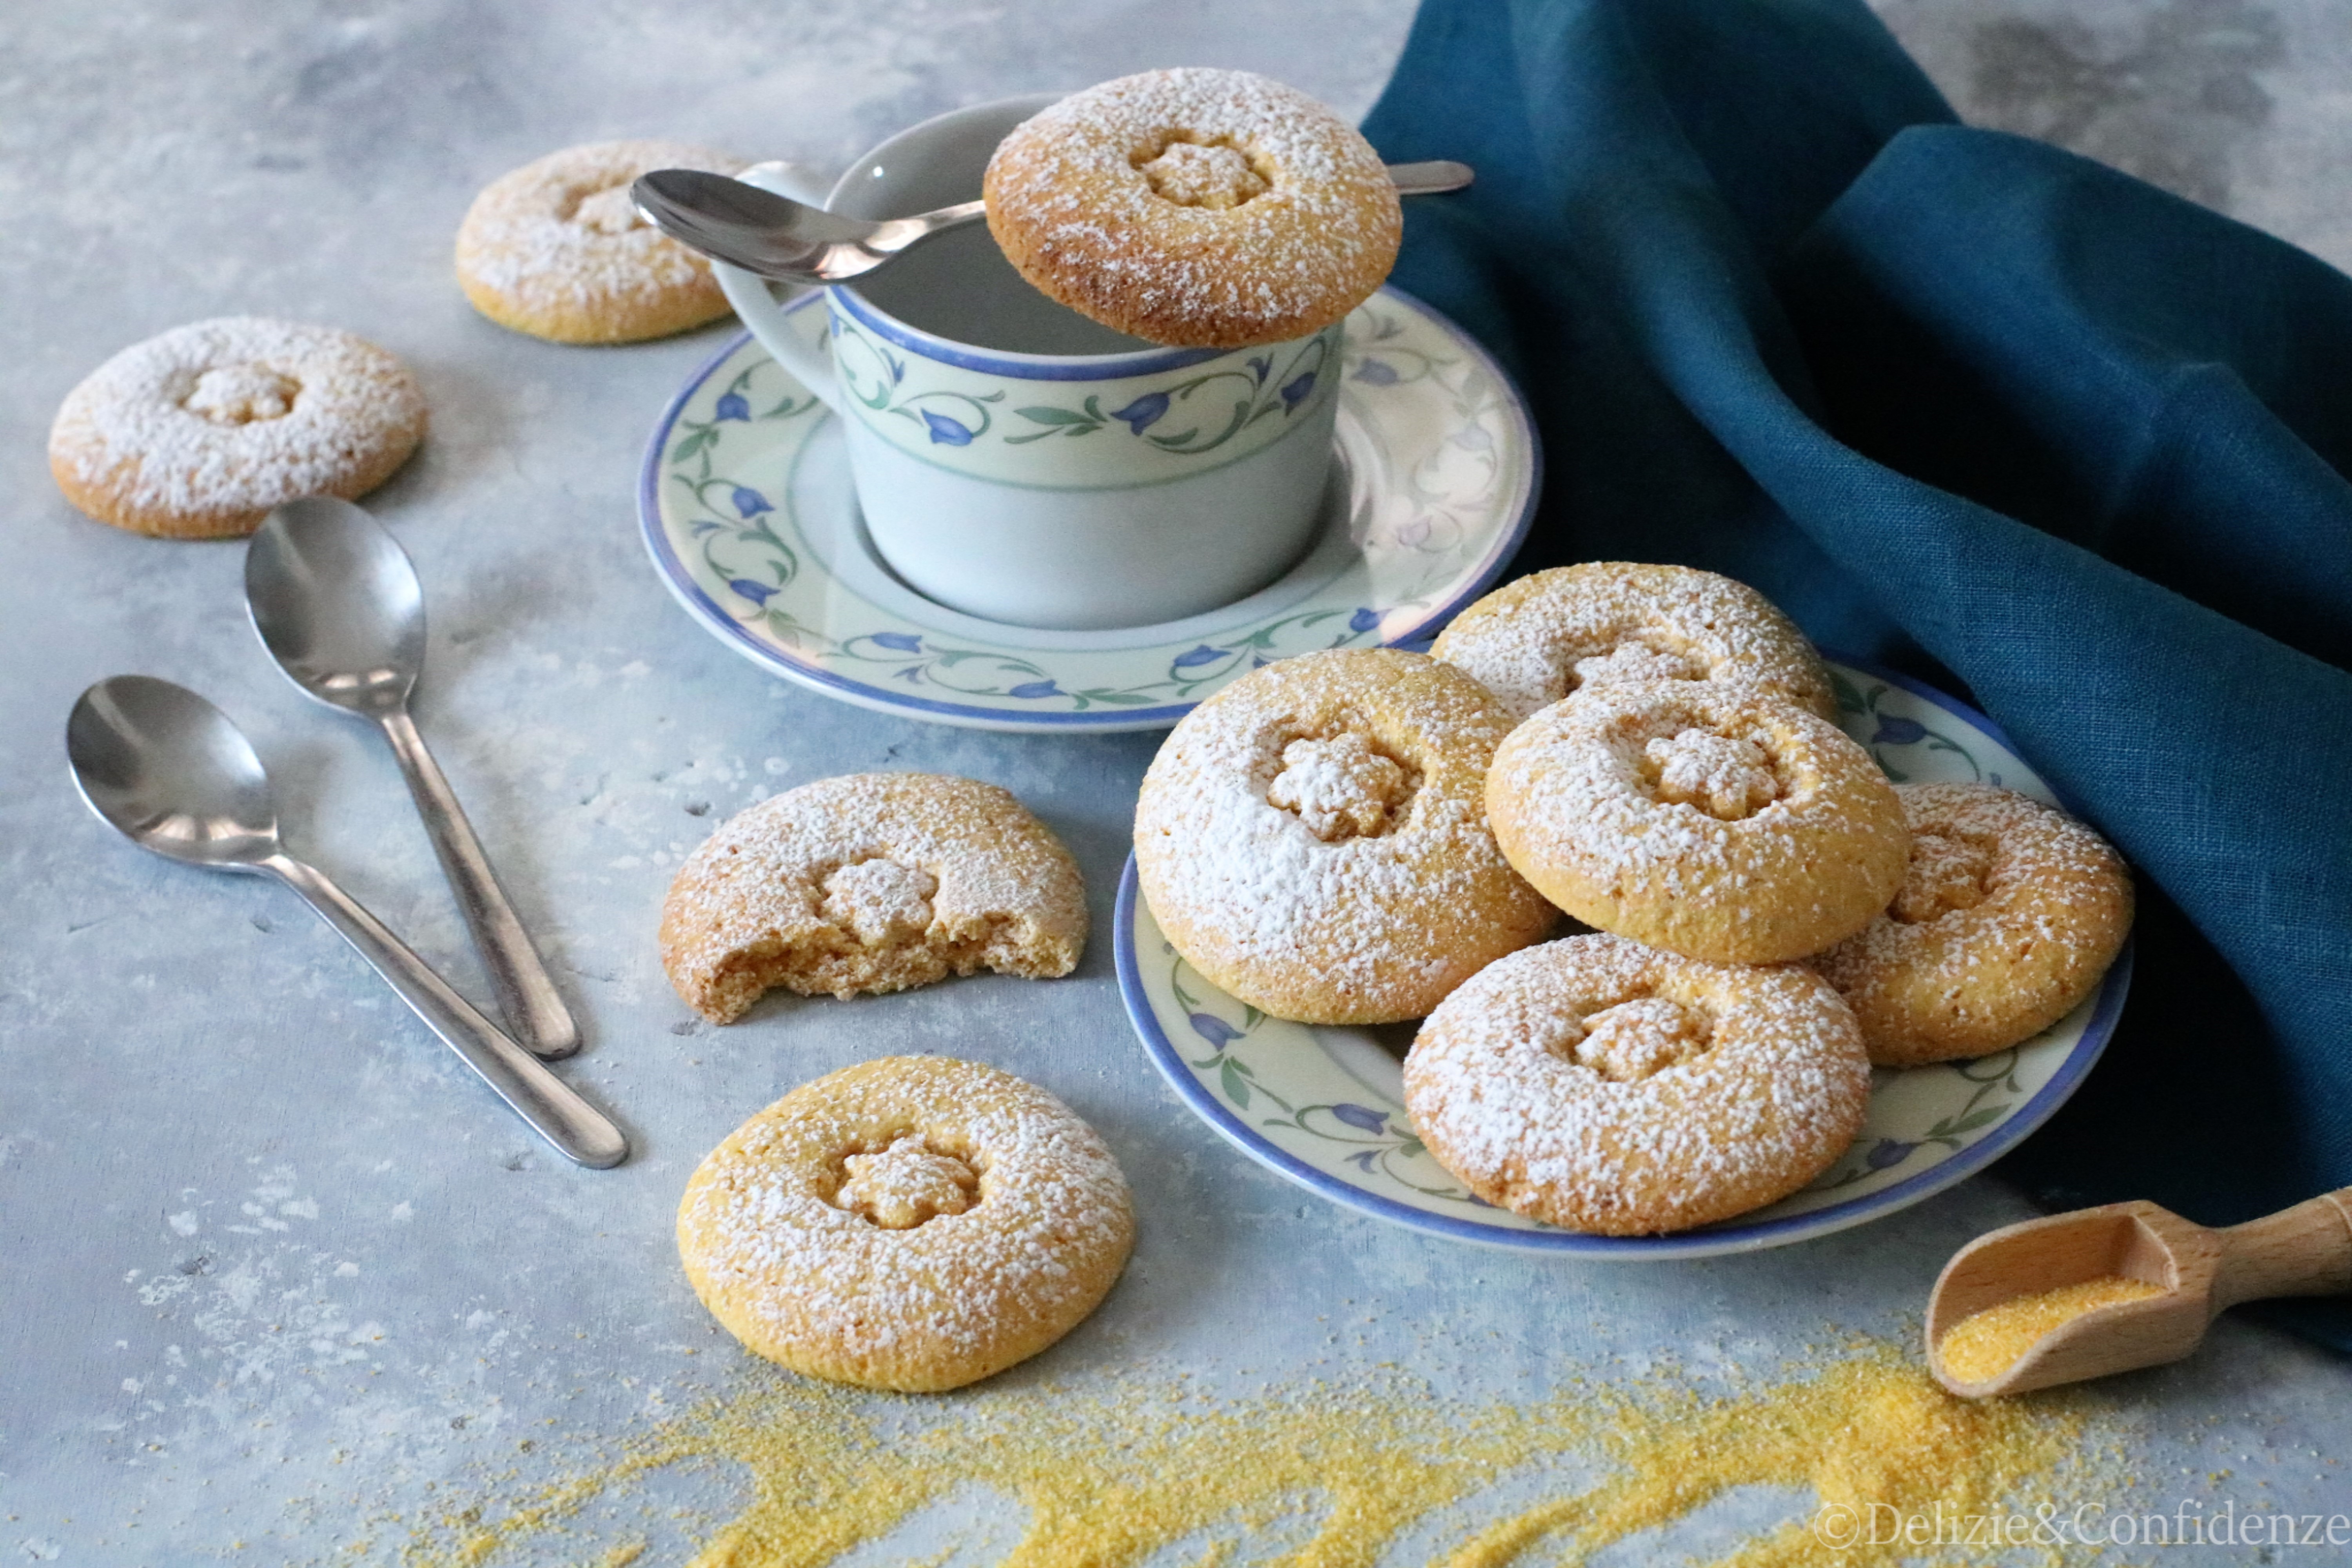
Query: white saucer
[[750, 518], [1325, 1106]]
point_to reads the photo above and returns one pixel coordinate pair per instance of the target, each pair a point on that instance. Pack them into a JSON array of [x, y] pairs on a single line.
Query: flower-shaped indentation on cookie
[[1212, 174], [1634, 660], [241, 395], [1641, 1038], [1947, 873], [608, 211], [906, 1183], [1725, 776], [1340, 786], [881, 900]]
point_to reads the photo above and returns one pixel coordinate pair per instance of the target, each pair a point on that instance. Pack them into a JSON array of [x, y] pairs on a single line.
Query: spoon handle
[[577, 1129], [2306, 1251], [532, 1007]]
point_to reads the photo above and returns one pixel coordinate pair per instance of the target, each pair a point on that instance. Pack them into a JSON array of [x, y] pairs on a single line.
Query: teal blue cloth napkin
[[1977, 408]]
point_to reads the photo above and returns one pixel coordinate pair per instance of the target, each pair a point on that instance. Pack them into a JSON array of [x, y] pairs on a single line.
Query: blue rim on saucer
[[1930, 1126], [748, 514]]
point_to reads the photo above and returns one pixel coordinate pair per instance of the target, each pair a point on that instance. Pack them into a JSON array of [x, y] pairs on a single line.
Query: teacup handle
[[757, 305]]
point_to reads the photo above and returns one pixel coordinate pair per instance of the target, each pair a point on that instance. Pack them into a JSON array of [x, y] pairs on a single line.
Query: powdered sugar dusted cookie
[[557, 250], [912, 1222], [2009, 915], [1545, 637], [1211, 208], [198, 432], [1714, 821], [1608, 1087], [1312, 839], [870, 882]]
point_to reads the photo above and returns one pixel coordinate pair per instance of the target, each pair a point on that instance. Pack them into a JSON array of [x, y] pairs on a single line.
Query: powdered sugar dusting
[[1541, 638], [870, 882], [1215, 207], [823, 1287], [224, 419], [1720, 1088], [1370, 926]]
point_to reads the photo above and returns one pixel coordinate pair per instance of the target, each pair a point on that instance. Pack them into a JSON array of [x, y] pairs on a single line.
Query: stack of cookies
[[1368, 836]]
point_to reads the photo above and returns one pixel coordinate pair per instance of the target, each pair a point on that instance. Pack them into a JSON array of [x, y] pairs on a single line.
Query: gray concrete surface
[[269, 1263]]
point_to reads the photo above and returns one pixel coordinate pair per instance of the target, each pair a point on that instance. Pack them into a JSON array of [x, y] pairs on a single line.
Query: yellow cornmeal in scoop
[[1109, 1473], [1983, 1345]]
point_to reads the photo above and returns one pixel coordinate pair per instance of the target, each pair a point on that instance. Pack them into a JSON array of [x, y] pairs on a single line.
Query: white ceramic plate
[[1325, 1106], [751, 521]]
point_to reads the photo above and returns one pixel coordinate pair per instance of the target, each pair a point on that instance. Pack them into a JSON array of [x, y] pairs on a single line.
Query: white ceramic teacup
[[1017, 461]]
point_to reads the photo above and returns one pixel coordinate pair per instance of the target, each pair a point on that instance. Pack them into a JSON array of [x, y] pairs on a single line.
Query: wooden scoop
[[2306, 1251]]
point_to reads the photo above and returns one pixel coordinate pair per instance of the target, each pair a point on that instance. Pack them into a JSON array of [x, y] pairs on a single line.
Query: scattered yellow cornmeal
[[1983, 1345], [1106, 1474]]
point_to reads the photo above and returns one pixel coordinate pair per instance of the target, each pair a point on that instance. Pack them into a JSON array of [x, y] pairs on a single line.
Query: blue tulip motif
[[1144, 412], [946, 432], [758, 593], [1364, 620], [1377, 373], [1888, 1153], [1035, 688], [898, 642], [1295, 391], [1362, 1118], [1895, 732], [733, 405], [1213, 1029], [1199, 656], [749, 503]]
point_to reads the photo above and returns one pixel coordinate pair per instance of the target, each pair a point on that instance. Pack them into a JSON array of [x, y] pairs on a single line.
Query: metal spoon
[[170, 772], [338, 605], [777, 237]]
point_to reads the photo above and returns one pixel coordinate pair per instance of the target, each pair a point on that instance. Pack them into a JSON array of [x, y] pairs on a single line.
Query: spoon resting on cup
[[2131, 1285], [775, 236]]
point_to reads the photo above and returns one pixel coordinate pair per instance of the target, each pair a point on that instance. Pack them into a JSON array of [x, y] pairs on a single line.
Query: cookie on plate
[[1312, 838], [870, 882], [1714, 821], [1608, 1087], [2010, 913], [1550, 635], [913, 1223], [197, 432], [556, 249]]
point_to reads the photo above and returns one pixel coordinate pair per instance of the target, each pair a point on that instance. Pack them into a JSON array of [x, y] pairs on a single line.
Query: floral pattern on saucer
[[1325, 1106], [747, 519]]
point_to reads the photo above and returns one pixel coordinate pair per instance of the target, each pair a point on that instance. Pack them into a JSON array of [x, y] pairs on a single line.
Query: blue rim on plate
[[1374, 1194], [821, 610]]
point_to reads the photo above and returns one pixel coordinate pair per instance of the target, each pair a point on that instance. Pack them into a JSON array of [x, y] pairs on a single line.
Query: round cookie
[[912, 1222], [870, 882], [1714, 821], [1312, 839], [1536, 640], [198, 432], [557, 250], [1608, 1087], [2009, 915], [1208, 208]]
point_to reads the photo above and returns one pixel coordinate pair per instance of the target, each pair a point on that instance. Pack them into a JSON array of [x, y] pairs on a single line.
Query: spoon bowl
[[171, 773], [338, 604]]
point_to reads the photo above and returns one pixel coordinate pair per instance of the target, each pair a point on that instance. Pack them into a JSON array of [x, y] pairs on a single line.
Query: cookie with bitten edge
[[197, 432], [1205, 208], [870, 882], [1718, 822], [556, 249], [913, 1223], [1552, 634], [1312, 838], [2010, 913], [1611, 1088]]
